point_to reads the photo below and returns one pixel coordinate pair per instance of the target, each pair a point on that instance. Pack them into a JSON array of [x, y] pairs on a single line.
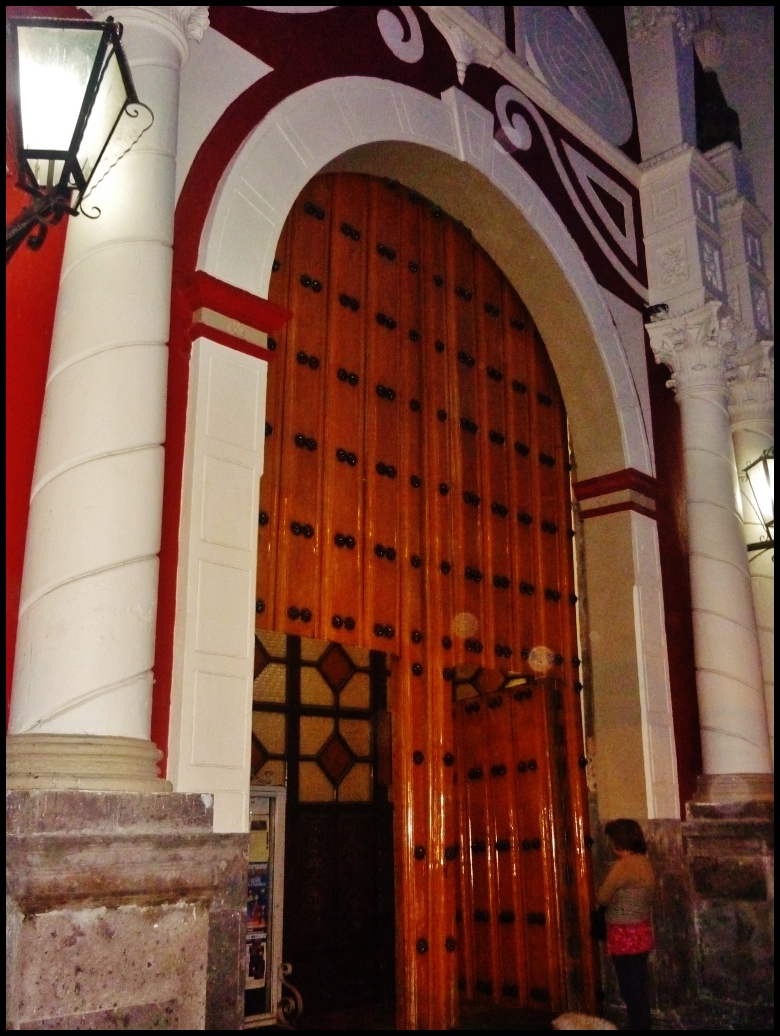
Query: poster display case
[[265, 888]]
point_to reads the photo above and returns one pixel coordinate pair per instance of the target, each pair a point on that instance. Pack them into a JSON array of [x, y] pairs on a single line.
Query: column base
[[123, 911], [733, 796], [57, 762]]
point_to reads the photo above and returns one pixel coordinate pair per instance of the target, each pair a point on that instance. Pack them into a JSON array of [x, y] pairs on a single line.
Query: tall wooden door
[[319, 724], [416, 500], [519, 912]]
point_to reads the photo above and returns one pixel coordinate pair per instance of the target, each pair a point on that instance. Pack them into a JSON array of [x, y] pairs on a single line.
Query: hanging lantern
[[70, 84]]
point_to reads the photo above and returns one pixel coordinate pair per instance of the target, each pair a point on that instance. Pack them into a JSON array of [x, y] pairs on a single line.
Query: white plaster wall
[[207, 91]]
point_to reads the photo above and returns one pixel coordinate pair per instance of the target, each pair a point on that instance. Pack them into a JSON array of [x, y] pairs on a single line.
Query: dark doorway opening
[[339, 918]]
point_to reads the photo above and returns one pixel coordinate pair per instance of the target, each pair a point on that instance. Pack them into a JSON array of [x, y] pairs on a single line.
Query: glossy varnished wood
[[429, 317]]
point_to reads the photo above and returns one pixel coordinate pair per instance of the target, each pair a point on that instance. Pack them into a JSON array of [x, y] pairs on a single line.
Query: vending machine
[[265, 890]]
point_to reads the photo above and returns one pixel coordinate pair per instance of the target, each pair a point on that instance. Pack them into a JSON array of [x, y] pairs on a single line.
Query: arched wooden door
[[416, 501]]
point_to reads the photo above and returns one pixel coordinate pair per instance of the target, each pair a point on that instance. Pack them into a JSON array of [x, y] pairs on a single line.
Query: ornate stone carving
[[644, 22], [710, 43], [750, 375], [692, 346], [191, 21], [466, 48], [673, 263]]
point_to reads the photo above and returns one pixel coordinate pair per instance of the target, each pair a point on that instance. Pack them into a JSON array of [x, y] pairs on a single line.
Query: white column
[[81, 706], [729, 680], [752, 398]]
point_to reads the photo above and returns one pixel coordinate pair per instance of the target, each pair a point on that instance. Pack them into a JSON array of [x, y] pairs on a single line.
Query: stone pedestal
[[124, 911]]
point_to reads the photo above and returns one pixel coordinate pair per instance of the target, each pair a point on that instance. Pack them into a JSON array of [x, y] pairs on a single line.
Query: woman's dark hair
[[626, 834]]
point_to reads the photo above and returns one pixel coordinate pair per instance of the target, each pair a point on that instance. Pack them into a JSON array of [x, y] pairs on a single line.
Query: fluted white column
[[85, 642], [729, 680], [752, 398]]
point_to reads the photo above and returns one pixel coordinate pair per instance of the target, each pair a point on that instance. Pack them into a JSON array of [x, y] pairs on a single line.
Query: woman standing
[[627, 894]]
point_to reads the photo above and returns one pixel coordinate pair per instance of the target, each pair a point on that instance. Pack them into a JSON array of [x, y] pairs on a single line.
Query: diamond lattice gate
[[416, 502]]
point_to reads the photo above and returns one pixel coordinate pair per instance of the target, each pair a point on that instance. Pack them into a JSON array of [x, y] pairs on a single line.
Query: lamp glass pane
[[54, 70], [110, 100], [761, 476]]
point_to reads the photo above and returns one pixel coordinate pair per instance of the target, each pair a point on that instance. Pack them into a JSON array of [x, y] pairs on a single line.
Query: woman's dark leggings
[[631, 971]]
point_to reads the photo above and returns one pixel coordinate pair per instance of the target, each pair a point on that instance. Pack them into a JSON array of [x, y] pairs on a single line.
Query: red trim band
[[623, 505], [241, 345], [203, 290], [615, 482]]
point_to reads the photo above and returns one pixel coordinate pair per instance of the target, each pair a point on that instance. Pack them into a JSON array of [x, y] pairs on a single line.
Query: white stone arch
[[303, 134], [311, 128]]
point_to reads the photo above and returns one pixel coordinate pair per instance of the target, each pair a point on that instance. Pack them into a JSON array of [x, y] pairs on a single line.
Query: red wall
[[32, 279], [675, 575]]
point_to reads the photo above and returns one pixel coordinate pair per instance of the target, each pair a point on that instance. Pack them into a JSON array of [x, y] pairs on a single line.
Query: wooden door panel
[[268, 556], [342, 521], [382, 434], [298, 580], [410, 305]]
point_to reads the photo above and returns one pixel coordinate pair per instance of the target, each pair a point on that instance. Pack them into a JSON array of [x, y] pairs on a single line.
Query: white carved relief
[[735, 302], [665, 202], [673, 264], [761, 312], [710, 44], [644, 22], [753, 249], [704, 200], [192, 21], [750, 374], [692, 347], [565, 50], [467, 49], [588, 174], [394, 32], [607, 248], [711, 263], [517, 132]]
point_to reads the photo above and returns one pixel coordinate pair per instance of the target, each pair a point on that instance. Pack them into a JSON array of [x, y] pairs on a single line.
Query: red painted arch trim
[[615, 482]]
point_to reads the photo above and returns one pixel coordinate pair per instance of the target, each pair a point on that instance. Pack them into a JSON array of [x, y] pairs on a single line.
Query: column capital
[[692, 345], [750, 376], [186, 24], [644, 22]]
